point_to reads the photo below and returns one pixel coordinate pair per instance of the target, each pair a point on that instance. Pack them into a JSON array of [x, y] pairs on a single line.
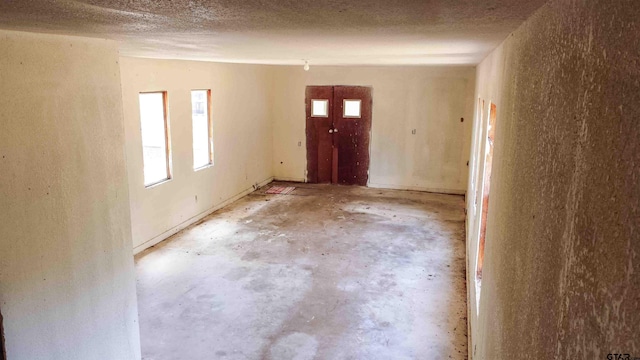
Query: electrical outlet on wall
[[413, 131], [299, 143]]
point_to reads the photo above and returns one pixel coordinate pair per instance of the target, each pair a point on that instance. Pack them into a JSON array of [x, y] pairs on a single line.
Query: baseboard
[[417, 188], [175, 229], [280, 178]]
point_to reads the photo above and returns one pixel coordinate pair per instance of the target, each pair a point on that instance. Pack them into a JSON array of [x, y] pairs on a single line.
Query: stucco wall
[[561, 267], [429, 99], [67, 285], [241, 140]]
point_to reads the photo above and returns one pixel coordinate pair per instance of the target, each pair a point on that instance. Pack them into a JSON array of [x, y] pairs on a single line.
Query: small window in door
[[351, 108], [319, 108], [155, 138]]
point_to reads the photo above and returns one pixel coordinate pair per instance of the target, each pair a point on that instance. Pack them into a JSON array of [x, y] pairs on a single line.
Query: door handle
[[330, 131], [335, 130]]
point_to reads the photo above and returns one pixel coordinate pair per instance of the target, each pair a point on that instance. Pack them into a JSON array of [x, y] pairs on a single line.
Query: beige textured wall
[[429, 99], [242, 141], [561, 268], [67, 285]]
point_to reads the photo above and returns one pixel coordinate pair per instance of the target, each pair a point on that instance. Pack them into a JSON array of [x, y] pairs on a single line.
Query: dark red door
[[319, 102], [338, 134], [352, 129]]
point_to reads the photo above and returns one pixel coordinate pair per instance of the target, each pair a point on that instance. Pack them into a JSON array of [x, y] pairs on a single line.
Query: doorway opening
[[338, 131], [486, 188]]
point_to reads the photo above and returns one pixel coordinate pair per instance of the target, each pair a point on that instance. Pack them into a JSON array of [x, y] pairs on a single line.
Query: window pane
[[154, 140], [202, 149], [351, 108], [320, 108]]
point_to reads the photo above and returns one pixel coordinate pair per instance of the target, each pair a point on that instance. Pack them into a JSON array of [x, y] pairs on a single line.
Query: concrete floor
[[327, 272]]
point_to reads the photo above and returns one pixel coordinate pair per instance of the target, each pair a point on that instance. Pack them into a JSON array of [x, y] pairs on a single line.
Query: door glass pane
[[351, 108], [320, 108]]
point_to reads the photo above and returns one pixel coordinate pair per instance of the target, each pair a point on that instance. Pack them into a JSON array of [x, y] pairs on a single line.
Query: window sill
[[203, 167], [152, 185]]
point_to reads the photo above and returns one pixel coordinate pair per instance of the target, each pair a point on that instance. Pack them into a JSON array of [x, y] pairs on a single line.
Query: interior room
[[319, 180]]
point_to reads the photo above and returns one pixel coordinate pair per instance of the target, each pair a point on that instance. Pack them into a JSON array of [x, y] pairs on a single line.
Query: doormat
[[280, 190]]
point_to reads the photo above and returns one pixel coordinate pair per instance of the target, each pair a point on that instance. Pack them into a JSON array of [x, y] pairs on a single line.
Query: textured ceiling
[[283, 32]]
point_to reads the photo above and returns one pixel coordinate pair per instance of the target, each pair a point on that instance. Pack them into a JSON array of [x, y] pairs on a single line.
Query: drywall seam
[[418, 188], [172, 231]]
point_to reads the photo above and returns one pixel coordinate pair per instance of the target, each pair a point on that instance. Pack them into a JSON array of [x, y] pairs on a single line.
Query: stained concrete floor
[[327, 272]]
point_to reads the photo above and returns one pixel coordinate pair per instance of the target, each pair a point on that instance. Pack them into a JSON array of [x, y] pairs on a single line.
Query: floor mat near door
[[280, 190]]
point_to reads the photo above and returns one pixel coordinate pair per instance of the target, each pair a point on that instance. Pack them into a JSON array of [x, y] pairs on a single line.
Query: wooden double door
[[338, 134]]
